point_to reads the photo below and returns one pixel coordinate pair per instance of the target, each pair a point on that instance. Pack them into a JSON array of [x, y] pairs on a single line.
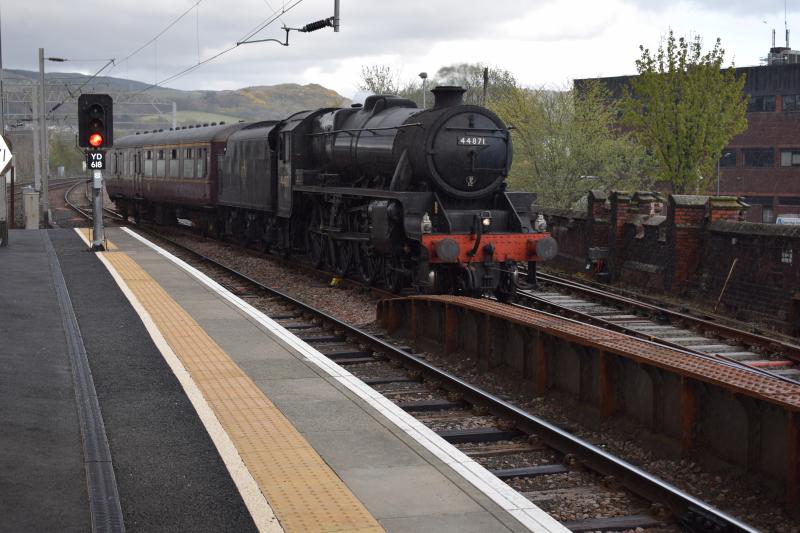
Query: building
[[762, 164]]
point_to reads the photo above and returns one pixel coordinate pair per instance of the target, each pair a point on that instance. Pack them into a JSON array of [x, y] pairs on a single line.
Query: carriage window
[[188, 163], [201, 162], [161, 167], [173, 168], [148, 163]]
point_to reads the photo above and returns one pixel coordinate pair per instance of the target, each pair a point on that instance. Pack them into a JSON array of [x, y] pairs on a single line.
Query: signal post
[[95, 134]]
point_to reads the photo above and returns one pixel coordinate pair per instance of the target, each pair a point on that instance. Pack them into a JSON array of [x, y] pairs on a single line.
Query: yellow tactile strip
[[87, 235], [305, 494]]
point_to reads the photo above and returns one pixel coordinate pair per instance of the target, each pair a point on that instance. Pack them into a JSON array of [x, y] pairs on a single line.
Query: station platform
[[138, 394]]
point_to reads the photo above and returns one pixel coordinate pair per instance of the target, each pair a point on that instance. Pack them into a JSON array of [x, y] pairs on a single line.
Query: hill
[[139, 107]]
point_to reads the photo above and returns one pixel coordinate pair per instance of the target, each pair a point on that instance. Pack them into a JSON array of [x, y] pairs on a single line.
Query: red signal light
[[95, 140]]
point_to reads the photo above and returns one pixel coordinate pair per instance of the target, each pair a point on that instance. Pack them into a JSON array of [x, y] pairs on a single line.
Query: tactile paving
[[305, 494], [87, 234]]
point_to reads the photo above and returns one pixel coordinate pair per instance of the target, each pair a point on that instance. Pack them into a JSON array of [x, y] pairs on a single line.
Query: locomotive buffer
[[95, 133]]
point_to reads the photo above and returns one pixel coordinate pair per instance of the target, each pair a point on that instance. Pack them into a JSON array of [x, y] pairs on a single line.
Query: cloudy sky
[[543, 42]]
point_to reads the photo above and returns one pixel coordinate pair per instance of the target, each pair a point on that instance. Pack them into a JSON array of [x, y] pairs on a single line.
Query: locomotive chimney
[[448, 96]]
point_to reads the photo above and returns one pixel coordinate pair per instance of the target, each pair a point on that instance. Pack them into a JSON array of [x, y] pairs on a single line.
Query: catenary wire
[[248, 35]]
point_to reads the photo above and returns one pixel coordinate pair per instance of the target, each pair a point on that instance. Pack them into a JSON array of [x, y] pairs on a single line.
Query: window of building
[[766, 215], [728, 158], [761, 103], [789, 200], [758, 200], [790, 157], [759, 157], [791, 102], [786, 255]]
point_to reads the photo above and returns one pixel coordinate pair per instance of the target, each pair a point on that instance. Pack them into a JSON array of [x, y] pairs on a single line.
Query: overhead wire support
[[313, 26], [86, 82], [191, 68], [308, 28]]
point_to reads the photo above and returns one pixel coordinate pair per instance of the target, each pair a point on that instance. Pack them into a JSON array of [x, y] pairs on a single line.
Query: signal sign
[[95, 121], [96, 160]]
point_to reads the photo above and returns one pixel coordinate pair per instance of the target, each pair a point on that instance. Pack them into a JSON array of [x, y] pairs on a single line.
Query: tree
[[471, 77], [379, 79], [62, 153], [684, 107], [568, 142]]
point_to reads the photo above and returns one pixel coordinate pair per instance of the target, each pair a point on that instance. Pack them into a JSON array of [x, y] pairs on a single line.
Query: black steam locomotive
[[394, 194]]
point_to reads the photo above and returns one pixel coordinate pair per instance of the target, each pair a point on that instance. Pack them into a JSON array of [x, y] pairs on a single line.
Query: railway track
[[549, 466], [87, 213], [55, 184], [701, 337]]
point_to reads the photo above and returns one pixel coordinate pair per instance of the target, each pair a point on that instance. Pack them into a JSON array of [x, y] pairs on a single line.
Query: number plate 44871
[[471, 141]]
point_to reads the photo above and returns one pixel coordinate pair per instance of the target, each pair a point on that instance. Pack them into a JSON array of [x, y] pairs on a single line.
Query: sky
[[544, 43]]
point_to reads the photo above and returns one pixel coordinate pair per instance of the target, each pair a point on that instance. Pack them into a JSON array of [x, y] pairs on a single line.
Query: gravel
[[354, 305], [727, 488]]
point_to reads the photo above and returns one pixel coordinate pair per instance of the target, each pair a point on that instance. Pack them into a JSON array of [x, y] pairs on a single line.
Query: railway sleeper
[[613, 523], [430, 405], [477, 435], [530, 471], [388, 380]]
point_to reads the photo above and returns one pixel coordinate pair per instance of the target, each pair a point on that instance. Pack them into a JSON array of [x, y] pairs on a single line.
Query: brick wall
[[687, 250], [686, 229], [570, 229], [765, 281], [641, 248]]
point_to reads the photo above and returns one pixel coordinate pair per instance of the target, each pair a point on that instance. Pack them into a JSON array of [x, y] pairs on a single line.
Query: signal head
[[95, 121], [95, 140]]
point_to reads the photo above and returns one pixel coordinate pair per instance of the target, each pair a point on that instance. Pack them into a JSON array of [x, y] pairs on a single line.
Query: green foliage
[[685, 108], [62, 153], [567, 142]]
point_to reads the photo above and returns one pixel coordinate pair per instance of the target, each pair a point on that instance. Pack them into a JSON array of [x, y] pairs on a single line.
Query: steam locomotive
[[388, 192]]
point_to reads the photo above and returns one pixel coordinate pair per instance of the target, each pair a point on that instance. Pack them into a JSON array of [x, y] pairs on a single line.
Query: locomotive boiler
[[384, 191]]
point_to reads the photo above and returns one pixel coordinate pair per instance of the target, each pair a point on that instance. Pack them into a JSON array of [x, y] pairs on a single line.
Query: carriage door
[[137, 174], [285, 175]]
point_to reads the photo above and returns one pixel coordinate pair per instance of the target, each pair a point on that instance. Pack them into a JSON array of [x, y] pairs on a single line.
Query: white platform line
[[254, 500], [507, 498]]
